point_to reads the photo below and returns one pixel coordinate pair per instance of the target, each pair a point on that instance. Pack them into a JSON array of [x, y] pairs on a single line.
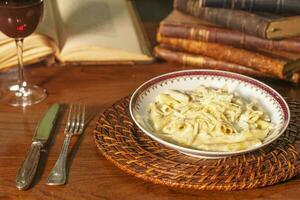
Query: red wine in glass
[[19, 19]]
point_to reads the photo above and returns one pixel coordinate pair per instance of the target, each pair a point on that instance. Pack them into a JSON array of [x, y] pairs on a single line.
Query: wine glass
[[18, 19]]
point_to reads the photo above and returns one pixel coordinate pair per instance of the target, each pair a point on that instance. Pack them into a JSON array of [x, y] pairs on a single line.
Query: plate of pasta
[[209, 113]]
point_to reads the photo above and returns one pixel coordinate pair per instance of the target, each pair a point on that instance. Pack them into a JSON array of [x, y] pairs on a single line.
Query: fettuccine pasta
[[209, 119]]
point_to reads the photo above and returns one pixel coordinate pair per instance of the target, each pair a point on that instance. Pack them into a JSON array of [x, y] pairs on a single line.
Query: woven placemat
[[121, 142]]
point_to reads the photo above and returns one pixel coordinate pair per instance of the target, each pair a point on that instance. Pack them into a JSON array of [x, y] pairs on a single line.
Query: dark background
[[153, 10]]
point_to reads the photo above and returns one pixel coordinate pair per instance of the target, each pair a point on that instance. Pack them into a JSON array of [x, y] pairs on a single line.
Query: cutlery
[[29, 166], [74, 126]]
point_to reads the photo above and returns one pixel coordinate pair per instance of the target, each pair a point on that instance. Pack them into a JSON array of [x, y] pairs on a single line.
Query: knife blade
[[43, 130]]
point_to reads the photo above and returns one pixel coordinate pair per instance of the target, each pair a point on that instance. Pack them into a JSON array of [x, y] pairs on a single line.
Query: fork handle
[[58, 175]]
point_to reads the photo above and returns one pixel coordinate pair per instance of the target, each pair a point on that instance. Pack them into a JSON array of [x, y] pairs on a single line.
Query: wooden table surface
[[91, 176]]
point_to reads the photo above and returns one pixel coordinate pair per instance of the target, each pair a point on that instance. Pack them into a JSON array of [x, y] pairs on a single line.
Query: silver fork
[[74, 126]]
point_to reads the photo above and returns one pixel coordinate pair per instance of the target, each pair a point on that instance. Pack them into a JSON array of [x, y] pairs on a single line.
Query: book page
[[47, 26], [96, 24]]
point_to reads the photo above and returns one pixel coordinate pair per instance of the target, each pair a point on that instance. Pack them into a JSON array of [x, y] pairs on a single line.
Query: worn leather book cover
[[273, 6], [262, 25], [205, 62], [180, 25], [277, 64]]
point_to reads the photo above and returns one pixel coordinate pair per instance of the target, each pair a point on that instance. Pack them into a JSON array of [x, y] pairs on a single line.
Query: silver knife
[[29, 166]]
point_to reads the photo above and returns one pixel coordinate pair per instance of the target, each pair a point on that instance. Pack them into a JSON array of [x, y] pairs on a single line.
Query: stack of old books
[[252, 37]]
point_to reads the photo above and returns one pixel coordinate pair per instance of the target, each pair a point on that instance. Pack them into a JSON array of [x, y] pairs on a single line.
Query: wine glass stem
[[19, 45]]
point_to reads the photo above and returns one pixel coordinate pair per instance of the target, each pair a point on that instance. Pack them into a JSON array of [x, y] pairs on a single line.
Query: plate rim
[[198, 152]]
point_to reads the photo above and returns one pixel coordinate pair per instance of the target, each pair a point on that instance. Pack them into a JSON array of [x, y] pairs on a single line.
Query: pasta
[[209, 119]]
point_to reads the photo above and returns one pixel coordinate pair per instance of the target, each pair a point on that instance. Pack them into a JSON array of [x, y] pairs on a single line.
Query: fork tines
[[76, 119]]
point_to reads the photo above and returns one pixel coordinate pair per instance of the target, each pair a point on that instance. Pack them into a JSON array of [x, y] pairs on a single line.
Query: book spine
[[272, 6], [226, 53], [229, 37], [204, 62], [232, 19]]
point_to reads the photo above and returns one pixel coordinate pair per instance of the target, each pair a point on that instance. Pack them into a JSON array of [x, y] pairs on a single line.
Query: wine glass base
[[26, 95]]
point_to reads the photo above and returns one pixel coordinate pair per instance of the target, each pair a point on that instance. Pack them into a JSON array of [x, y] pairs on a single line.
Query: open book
[[89, 31]]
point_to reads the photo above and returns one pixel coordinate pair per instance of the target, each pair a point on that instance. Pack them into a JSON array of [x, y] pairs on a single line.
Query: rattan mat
[[121, 142]]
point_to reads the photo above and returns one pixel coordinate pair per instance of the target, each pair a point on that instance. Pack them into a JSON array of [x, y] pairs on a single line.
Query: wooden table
[[91, 176]]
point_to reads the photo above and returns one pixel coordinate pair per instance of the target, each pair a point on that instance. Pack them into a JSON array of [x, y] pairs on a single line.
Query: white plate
[[247, 87]]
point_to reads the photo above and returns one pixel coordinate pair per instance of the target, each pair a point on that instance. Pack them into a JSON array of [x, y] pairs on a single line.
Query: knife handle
[[29, 166]]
